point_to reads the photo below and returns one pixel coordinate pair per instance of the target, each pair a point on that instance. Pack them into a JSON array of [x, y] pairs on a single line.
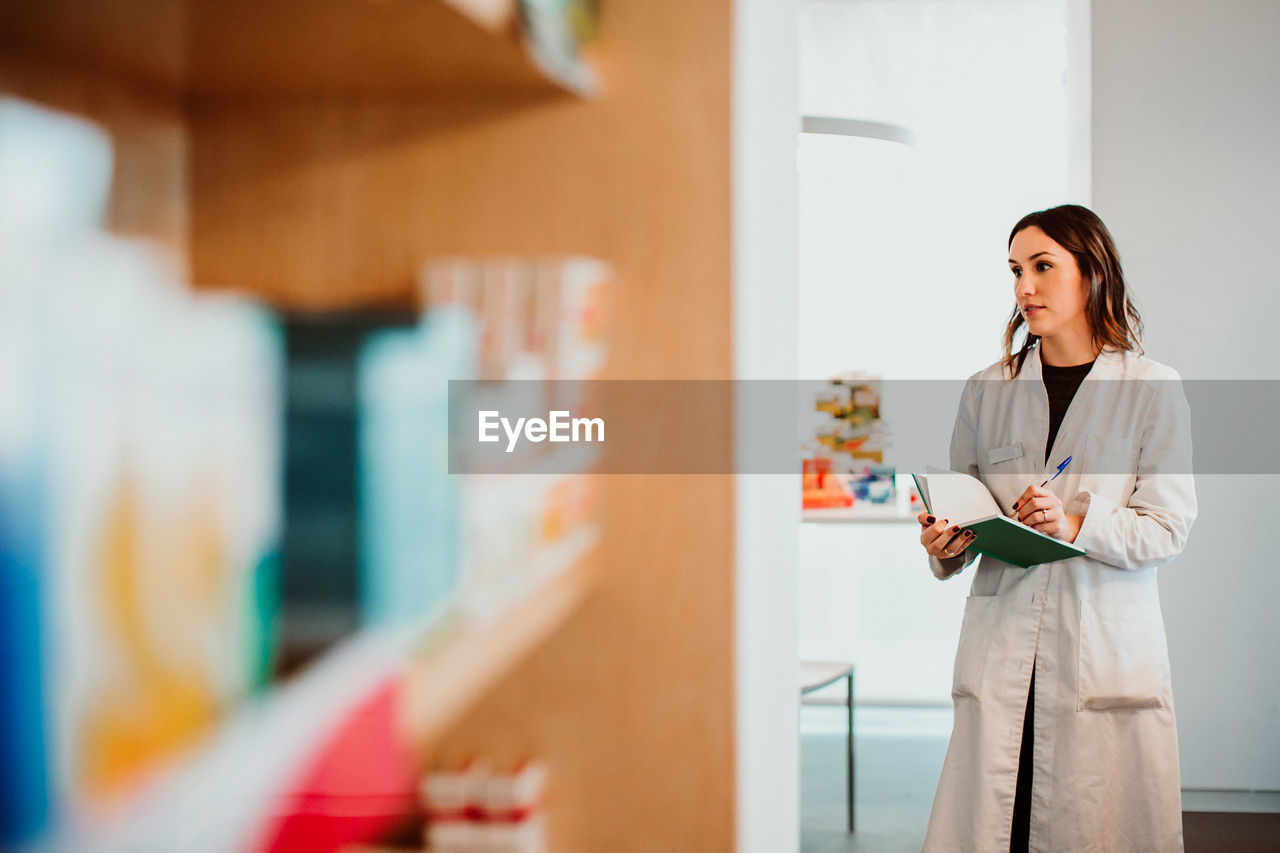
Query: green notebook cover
[[1005, 539]]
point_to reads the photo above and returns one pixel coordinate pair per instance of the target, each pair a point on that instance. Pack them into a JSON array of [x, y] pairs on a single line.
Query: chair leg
[[849, 707]]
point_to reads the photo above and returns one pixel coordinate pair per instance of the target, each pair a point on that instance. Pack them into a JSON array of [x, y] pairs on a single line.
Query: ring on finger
[[1044, 516]]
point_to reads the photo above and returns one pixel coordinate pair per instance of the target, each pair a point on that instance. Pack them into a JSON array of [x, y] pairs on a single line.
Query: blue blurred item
[[24, 750], [408, 501], [55, 170], [874, 484]]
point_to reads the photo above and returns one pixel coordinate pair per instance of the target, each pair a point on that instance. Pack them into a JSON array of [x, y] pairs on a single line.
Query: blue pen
[[1065, 463]]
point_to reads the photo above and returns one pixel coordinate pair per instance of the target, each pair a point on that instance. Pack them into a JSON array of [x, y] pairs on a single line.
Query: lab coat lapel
[[1035, 404]]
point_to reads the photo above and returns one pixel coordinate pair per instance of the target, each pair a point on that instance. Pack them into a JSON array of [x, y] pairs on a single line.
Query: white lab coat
[[1106, 752]]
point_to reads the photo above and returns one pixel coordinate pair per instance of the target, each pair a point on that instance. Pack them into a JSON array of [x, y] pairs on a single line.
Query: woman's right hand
[[942, 539]]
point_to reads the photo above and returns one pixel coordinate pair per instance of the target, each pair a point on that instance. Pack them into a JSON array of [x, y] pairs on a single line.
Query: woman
[[1064, 736]]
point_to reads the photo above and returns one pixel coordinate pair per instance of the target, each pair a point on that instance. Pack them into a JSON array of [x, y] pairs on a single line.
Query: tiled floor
[[900, 754]]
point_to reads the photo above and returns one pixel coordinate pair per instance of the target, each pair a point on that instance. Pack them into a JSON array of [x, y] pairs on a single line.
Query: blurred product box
[[876, 484], [539, 318], [164, 449], [409, 504], [478, 810], [507, 314], [454, 795], [139, 481], [55, 171], [519, 527], [157, 478], [542, 323]]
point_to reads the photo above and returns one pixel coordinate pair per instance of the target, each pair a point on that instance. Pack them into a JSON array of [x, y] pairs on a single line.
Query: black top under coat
[[1061, 384]]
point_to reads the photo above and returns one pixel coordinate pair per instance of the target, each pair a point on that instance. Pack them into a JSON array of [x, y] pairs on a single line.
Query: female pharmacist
[[1064, 736]]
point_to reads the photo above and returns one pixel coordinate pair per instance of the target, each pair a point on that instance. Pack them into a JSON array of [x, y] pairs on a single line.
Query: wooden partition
[[315, 189]]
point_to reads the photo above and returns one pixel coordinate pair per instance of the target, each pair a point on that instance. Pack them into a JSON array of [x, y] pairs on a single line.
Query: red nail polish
[[930, 519], [955, 528]]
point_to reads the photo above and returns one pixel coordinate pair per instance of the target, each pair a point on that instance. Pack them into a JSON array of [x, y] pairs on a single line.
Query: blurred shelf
[[211, 49], [860, 513], [375, 848], [348, 731], [382, 848], [456, 665]]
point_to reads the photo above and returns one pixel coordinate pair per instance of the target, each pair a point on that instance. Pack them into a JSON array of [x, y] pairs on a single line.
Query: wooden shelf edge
[[447, 678], [229, 51]]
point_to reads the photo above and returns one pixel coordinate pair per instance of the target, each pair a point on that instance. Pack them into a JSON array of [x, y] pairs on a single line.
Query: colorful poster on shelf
[[845, 445], [847, 424]]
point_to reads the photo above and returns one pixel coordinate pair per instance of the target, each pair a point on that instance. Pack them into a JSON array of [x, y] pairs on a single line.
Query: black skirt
[[1019, 840]]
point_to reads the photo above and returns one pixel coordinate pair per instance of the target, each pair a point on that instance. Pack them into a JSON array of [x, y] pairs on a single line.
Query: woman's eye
[[1017, 273], [1045, 264]]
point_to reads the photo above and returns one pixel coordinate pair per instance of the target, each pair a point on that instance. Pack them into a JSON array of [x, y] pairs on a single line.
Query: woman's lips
[[1030, 310]]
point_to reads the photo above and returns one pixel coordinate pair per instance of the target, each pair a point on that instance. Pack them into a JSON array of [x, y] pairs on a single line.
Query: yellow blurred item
[[154, 698]]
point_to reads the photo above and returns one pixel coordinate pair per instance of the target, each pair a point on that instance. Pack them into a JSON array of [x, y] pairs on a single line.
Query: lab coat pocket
[[975, 639], [1002, 473], [1124, 661]]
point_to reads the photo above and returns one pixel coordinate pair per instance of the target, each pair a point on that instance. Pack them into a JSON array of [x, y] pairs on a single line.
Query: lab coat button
[[1044, 735], [1046, 666]]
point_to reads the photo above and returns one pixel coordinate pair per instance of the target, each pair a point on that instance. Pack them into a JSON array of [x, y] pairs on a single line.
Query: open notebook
[[967, 502]]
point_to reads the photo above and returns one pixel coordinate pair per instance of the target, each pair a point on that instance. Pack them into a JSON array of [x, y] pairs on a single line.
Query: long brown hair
[[1113, 320]]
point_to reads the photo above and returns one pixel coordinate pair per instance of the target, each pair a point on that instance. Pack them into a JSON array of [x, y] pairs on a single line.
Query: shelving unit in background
[[456, 664], [314, 154], [206, 49], [289, 772]]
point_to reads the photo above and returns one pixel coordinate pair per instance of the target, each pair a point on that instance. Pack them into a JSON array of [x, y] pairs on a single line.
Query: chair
[[814, 675]]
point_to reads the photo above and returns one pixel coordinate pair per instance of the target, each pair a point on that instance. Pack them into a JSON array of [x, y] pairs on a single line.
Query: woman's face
[[1051, 293]]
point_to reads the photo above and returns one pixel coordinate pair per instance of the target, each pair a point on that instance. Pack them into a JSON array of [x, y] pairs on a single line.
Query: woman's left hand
[[1042, 510]]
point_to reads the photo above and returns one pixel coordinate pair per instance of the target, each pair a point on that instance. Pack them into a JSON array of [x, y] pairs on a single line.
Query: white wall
[[867, 597], [904, 271], [1186, 131], [765, 122], [902, 246]]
